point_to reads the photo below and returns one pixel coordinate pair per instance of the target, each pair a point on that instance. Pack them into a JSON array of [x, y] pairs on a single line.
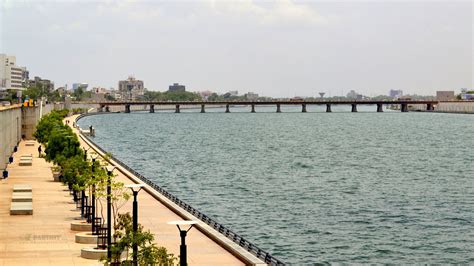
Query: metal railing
[[236, 238]]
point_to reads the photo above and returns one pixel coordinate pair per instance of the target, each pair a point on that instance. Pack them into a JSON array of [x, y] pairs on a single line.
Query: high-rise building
[[176, 87], [131, 88], [12, 76]]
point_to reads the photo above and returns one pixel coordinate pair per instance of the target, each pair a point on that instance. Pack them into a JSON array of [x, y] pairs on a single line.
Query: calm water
[[341, 187]]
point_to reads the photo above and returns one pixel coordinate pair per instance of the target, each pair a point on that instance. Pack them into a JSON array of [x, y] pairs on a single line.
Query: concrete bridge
[[104, 106]]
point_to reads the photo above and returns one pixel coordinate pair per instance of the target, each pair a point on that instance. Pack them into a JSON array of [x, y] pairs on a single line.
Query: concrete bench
[[30, 143], [25, 162], [26, 156], [22, 188], [22, 197], [21, 208]]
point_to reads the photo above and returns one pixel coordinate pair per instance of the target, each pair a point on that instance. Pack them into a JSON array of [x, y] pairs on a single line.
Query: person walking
[[39, 151]]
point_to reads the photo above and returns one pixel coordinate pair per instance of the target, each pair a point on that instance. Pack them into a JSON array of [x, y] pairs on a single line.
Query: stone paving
[[45, 238]]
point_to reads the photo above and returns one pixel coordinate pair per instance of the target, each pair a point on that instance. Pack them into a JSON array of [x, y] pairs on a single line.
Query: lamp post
[[85, 153], [110, 169], [93, 196], [182, 234], [135, 189]]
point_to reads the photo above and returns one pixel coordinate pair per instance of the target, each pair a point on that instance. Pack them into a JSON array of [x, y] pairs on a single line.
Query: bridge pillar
[[101, 108], [379, 108], [203, 110], [152, 108], [404, 107], [303, 108], [429, 107], [328, 108], [253, 108], [227, 108], [278, 108], [127, 108], [177, 109], [107, 108], [354, 108]]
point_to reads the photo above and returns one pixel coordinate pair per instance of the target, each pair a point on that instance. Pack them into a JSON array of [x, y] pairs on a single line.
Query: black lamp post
[[182, 233], [93, 196], [135, 189], [110, 169]]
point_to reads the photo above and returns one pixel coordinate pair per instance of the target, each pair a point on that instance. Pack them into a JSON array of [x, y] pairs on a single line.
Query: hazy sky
[[281, 48]]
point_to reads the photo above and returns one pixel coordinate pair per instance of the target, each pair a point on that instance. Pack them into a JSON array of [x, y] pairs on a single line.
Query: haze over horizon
[[280, 49]]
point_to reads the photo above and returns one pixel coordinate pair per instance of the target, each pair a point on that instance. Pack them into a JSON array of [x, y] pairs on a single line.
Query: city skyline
[[278, 49]]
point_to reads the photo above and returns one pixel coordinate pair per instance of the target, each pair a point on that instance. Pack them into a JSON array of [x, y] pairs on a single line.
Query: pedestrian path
[[43, 238]]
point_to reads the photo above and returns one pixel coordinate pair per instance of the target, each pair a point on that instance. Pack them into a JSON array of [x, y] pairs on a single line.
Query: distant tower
[[322, 94]]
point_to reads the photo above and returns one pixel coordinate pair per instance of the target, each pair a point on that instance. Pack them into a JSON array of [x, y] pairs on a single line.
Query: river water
[[315, 187]]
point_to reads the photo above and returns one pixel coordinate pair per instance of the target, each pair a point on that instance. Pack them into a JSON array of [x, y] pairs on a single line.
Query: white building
[[11, 75]]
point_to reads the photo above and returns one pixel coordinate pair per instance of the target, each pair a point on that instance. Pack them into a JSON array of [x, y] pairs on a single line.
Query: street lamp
[[85, 153], [110, 169], [182, 234], [93, 195], [135, 189]]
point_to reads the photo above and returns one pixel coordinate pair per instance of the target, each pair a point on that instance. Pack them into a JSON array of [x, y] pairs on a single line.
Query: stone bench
[[22, 188], [30, 143], [26, 156], [21, 208], [22, 197], [26, 162]]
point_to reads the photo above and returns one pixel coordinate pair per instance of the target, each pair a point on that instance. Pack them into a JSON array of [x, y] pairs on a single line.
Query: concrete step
[[21, 208], [22, 197], [22, 188]]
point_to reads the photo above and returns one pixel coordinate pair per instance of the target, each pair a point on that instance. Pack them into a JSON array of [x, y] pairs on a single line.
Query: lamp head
[[135, 187], [110, 169]]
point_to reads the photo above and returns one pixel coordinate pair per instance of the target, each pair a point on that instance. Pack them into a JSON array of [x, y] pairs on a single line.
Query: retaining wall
[[10, 132], [455, 107]]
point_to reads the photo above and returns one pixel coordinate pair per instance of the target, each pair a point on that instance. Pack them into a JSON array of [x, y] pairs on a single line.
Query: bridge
[[403, 104]]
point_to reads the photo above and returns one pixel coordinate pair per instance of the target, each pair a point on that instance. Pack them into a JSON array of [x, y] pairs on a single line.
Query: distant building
[[395, 93], [176, 87], [76, 86], [131, 88], [45, 83], [445, 95], [354, 95], [251, 96], [12, 76], [205, 94], [233, 93]]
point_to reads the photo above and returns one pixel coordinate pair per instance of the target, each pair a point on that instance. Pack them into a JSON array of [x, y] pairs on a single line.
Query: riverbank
[[205, 245]]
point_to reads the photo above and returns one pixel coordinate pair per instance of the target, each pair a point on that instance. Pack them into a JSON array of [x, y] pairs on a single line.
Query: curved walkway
[[153, 215]]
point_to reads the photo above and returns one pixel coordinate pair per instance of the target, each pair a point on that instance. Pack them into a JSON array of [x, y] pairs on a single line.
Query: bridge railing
[[236, 238]]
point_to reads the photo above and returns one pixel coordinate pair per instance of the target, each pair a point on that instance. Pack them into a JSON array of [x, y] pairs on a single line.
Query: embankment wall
[[10, 132]]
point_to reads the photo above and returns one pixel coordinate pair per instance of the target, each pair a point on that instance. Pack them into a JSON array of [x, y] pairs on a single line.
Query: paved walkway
[[43, 238], [154, 215]]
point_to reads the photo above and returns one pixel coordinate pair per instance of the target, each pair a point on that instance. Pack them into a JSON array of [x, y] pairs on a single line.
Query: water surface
[[315, 187]]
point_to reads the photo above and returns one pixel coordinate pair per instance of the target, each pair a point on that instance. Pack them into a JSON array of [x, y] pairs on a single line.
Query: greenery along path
[[154, 216]]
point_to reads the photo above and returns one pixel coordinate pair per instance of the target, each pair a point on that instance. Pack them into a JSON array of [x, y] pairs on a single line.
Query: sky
[[273, 48]]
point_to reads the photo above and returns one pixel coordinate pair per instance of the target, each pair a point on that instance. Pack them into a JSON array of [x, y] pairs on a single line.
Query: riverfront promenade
[[43, 238], [153, 215]]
